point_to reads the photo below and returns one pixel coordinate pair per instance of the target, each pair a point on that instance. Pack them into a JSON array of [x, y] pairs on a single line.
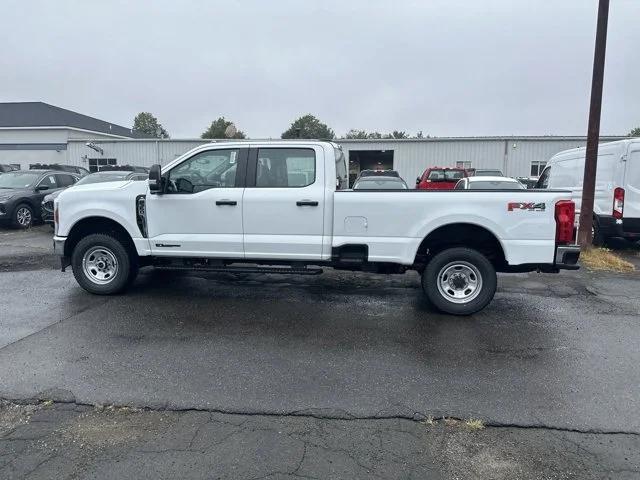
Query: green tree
[[397, 134], [146, 124], [218, 128], [308, 126], [353, 133], [635, 132]]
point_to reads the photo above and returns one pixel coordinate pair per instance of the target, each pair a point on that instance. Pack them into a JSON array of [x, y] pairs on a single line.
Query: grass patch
[[429, 421], [605, 260], [474, 424]]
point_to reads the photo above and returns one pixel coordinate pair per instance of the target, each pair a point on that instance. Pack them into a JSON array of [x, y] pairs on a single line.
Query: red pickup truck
[[440, 178]]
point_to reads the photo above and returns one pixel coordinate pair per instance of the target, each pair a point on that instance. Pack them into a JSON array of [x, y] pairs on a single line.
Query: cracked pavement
[[336, 376]]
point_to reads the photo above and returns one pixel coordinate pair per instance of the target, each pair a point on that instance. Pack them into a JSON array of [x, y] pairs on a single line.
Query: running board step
[[237, 269]]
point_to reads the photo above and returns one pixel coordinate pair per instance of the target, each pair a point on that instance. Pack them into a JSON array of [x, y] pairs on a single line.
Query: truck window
[[205, 170], [341, 170], [543, 181], [445, 175], [285, 167]]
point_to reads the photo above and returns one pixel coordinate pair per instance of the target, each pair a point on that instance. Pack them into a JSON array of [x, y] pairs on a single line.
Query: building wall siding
[[512, 155]]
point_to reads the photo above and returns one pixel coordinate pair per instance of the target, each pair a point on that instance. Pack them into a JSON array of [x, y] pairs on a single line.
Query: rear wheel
[[459, 281], [101, 264]]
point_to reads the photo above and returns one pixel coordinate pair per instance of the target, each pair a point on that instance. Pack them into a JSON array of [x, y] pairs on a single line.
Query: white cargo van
[[616, 205]]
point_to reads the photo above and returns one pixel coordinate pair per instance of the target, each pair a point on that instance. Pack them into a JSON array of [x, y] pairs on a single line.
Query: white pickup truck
[[285, 207]]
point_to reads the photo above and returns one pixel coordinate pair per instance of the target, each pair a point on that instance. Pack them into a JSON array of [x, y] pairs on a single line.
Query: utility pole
[[593, 132]]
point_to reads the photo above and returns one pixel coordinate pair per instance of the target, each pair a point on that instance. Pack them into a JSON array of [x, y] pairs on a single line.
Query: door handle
[[226, 202], [306, 203]]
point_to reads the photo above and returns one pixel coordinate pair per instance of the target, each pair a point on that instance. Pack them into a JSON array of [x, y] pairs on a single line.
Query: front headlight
[[5, 197]]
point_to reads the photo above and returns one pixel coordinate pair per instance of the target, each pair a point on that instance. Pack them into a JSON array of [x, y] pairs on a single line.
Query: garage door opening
[[368, 160]]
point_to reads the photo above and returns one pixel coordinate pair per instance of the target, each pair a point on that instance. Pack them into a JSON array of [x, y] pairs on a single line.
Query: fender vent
[[141, 214]]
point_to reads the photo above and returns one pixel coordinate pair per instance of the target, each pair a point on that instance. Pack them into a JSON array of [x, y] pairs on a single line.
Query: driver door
[[200, 212]]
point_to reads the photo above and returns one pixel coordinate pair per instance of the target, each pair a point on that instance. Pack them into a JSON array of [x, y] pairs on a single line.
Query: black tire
[[95, 251], [597, 239], [23, 216], [472, 264]]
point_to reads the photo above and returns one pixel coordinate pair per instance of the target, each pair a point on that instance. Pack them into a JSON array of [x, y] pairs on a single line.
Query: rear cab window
[[445, 175], [285, 167]]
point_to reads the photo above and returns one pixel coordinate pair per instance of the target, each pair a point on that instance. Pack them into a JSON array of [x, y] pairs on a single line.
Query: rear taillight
[[618, 202], [565, 216], [55, 218]]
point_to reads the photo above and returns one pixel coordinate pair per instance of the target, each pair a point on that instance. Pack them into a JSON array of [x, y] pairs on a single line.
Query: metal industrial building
[[36, 132], [515, 156]]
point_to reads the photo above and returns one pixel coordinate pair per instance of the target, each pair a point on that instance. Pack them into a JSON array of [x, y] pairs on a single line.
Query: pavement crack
[[341, 415]]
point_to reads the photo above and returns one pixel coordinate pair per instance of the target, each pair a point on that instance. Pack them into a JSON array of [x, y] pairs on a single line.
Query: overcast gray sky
[[448, 68]]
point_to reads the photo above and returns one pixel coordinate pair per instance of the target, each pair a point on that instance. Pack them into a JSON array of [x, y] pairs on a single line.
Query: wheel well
[[90, 225], [29, 202], [461, 235]]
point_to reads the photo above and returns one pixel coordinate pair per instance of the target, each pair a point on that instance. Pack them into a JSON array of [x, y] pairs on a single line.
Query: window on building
[[537, 167], [95, 164], [466, 165]]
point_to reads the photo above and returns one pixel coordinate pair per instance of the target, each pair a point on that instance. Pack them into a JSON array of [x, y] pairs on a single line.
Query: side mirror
[[39, 188], [155, 179]]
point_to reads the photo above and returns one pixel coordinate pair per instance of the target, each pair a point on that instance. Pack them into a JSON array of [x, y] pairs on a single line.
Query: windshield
[[496, 185], [380, 184], [19, 179], [445, 175], [103, 177]]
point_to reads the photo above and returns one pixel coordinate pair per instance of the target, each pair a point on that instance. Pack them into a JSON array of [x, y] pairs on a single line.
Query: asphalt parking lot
[[337, 376]]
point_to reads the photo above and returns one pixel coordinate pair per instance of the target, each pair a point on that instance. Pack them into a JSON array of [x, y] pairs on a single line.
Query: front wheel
[[101, 264], [23, 216], [459, 281]]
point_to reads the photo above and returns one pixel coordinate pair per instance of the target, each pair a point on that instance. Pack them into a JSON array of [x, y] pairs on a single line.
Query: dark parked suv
[[22, 191], [98, 177], [79, 171]]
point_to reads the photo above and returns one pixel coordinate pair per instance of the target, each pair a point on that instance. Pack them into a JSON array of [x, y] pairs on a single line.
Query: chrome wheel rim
[[459, 282], [23, 215], [100, 265]]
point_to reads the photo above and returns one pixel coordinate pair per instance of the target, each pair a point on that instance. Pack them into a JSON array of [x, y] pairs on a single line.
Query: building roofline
[[355, 140], [63, 127]]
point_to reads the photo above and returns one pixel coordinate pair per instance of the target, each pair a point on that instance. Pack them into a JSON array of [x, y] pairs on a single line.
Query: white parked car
[[616, 207], [489, 183], [286, 206]]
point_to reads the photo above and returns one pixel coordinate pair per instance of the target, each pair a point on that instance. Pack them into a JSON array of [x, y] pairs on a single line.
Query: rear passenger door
[[283, 203]]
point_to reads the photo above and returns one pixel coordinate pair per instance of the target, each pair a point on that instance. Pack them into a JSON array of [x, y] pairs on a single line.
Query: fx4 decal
[[532, 207]]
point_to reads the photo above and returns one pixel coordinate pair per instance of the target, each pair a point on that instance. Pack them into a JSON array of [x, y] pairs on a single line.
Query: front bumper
[[4, 210], [47, 212], [58, 248], [567, 257]]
